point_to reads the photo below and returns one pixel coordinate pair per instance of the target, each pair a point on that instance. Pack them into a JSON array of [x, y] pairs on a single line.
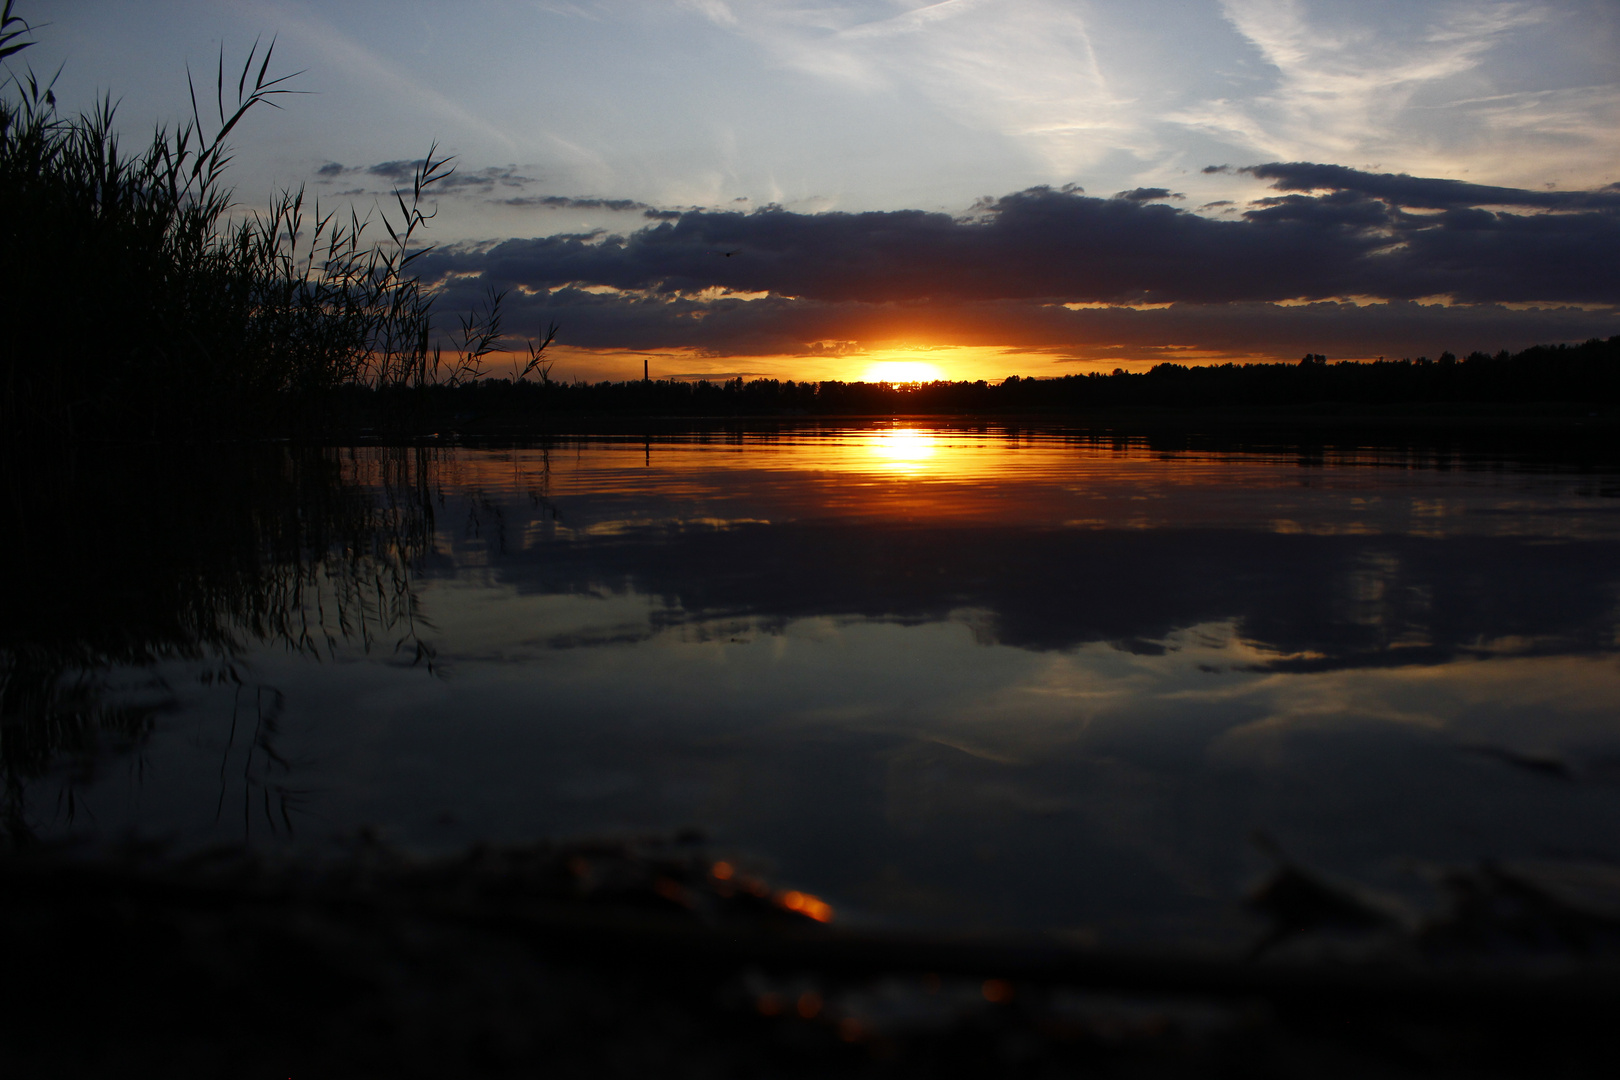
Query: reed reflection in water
[[165, 571], [960, 676]]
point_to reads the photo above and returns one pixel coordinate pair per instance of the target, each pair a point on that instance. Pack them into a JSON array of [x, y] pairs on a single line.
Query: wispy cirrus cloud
[[1075, 90], [1432, 88], [321, 36], [1028, 71]]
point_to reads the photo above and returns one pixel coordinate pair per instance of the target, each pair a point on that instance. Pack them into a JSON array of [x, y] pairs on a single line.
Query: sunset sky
[[967, 189]]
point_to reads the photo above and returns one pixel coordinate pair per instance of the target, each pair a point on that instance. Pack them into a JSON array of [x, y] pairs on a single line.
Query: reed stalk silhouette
[[136, 303]]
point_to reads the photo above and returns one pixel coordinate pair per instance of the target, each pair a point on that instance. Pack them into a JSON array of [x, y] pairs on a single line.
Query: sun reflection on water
[[905, 470], [902, 449]]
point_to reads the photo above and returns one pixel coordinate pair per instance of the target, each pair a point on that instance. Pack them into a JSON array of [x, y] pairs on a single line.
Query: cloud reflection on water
[[970, 677], [917, 686]]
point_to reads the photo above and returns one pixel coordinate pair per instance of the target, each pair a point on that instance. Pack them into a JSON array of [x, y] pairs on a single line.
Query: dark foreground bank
[[635, 959]]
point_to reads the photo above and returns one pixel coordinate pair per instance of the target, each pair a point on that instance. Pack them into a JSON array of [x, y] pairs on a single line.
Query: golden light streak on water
[[904, 450]]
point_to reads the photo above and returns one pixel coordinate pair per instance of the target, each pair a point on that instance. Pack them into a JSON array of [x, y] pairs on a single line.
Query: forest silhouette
[[1587, 373]]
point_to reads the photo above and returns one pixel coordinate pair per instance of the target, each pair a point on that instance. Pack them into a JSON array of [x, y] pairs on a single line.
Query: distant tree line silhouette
[[1587, 373]]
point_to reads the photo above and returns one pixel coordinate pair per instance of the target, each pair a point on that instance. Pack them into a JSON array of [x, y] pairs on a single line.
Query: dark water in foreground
[[938, 677]]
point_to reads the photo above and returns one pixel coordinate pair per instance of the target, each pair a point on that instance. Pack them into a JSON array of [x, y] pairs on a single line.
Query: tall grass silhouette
[[136, 303]]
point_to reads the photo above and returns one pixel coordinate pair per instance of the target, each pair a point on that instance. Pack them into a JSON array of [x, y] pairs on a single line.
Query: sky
[[965, 189]]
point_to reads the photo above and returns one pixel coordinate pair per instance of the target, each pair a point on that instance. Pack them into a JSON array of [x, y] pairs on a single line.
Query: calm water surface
[[940, 677]]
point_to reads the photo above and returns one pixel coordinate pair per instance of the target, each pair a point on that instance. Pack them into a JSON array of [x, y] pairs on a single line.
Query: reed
[[137, 301]]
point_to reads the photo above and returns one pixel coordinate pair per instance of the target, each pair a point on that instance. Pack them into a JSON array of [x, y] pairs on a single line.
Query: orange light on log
[[811, 906]]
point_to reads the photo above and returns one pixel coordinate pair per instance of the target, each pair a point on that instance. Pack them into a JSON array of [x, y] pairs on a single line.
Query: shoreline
[[1544, 426]]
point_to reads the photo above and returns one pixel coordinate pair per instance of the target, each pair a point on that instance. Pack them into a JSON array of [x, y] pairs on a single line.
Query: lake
[[959, 677]]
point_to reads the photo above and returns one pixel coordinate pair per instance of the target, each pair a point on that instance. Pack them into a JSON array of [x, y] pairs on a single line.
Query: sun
[[901, 371]]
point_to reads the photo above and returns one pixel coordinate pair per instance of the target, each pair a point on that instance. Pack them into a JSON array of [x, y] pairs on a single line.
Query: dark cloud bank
[[1001, 273]]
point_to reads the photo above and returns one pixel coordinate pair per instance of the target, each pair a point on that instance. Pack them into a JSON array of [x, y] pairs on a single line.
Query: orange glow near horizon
[[900, 364], [893, 365]]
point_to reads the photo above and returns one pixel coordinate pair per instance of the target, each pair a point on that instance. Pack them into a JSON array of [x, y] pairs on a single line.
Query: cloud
[[1028, 72], [717, 11], [1361, 237], [1416, 191], [1069, 339], [398, 80], [1342, 261], [1501, 89], [568, 202], [1148, 194], [1342, 82], [400, 171], [1282, 593]]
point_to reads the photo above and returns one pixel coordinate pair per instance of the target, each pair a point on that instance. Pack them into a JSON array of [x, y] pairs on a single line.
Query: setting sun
[[902, 371]]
